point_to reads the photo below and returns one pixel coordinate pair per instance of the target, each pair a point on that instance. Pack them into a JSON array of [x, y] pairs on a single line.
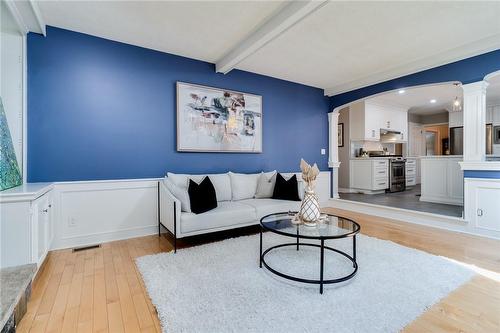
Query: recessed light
[[433, 101], [401, 91]]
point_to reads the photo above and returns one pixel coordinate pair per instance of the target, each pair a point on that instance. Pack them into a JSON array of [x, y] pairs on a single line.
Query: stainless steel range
[[397, 174]]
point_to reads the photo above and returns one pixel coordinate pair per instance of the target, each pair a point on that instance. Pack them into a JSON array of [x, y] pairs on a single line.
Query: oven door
[[397, 176]]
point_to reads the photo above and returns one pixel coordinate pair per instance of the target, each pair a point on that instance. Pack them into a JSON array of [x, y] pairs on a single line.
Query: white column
[[475, 121], [333, 153]]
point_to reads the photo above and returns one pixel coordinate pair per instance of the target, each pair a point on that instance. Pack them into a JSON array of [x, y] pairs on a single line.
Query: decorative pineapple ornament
[[309, 208]]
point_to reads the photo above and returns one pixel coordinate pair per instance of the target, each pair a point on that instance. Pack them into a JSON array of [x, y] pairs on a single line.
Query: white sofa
[[229, 214]]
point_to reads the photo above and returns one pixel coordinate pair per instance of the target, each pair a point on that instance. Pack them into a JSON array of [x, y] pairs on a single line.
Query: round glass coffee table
[[333, 227]]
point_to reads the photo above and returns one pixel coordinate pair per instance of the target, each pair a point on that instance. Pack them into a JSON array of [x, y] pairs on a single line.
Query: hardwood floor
[[100, 290]]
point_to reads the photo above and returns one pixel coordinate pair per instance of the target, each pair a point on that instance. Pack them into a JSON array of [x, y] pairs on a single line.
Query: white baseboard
[[103, 237]]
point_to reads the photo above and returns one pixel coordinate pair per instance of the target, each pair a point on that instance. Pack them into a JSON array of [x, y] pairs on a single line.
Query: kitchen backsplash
[[369, 146]]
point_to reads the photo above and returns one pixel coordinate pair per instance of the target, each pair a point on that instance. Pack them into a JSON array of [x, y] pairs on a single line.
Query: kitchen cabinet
[[456, 119], [494, 115], [411, 171], [27, 223], [442, 180], [369, 174], [366, 118]]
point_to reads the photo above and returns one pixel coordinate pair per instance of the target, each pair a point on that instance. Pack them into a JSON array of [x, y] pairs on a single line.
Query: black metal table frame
[[321, 281]]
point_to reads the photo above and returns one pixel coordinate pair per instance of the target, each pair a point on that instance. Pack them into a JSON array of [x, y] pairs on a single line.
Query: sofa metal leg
[[175, 227], [159, 223]]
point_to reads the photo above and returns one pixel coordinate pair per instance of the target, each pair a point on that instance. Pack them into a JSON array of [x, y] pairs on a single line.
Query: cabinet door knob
[[479, 212], [45, 210]]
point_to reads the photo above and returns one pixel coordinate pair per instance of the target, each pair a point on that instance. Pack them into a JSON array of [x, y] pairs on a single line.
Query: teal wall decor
[[10, 176]]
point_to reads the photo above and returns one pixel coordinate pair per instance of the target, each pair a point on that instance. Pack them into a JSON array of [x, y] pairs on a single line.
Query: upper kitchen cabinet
[[367, 118]]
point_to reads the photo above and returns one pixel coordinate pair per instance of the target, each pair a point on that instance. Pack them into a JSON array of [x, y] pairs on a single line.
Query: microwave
[[496, 135]]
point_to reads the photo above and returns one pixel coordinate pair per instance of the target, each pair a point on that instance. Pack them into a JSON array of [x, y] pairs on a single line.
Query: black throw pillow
[[202, 196], [286, 189]]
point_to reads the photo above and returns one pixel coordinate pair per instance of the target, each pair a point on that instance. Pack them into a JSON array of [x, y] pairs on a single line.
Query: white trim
[[286, 16], [421, 218], [102, 237], [11, 5], [480, 166], [25, 110], [334, 164], [481, 46]]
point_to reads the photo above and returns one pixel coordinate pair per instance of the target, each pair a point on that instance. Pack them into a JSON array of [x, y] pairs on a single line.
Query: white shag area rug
[[219, 287]]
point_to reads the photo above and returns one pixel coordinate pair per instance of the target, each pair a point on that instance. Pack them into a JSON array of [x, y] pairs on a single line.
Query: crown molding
[[481, 46]]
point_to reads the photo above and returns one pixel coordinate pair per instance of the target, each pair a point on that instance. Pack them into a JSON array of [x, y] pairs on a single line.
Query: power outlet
[[323, 151], [71, 222]]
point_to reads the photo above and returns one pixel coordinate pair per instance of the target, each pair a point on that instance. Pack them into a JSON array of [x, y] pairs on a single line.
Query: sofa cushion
[[179, 193], [265, 207], [221, 182], [202, 196], [227, 213], [243, 186]]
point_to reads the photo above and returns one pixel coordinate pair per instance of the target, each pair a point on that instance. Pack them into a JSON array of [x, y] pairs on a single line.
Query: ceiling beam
[[285, 18], [27, 16]]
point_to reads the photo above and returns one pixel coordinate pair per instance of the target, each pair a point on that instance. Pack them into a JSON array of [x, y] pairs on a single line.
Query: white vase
[[309, 208]]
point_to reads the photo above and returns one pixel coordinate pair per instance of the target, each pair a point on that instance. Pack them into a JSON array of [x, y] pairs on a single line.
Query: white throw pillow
[[265, 185], [243, 186], [180, 193], [221, 182], [222, 185]]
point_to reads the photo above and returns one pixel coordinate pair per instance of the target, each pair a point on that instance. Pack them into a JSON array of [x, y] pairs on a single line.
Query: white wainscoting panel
[[482, 205], [99, 211]]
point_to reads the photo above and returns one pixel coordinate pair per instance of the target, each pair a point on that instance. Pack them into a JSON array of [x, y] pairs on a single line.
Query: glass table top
[[330, 227]]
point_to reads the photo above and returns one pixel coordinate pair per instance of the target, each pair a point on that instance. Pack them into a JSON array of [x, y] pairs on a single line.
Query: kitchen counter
[[442, 179], [458, 157]]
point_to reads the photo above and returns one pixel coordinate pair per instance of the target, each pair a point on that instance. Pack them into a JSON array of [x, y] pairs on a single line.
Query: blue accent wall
[[482, 174], [99, 109], [466, 71]]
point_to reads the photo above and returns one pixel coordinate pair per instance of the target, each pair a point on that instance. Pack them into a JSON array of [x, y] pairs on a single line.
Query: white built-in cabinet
[[369, 174], [411, 171], [27, 229], [482, 198], [42, 227], [366, 118]]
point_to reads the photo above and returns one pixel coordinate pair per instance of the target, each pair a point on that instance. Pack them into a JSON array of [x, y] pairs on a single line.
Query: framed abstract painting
[[218, 120]]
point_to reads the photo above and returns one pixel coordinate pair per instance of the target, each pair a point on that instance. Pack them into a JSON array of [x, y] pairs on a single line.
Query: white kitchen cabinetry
[[366, 118], [369, 174], [456, 119], [483, 209], [442, 180], [26, 225], [493, 114], [411, 171]]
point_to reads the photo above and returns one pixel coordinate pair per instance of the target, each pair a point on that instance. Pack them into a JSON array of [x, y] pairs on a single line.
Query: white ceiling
[[417, 100], [339, 47]]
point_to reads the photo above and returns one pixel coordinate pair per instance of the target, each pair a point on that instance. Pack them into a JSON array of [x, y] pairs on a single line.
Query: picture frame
[[340, 135], [218, 120]]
